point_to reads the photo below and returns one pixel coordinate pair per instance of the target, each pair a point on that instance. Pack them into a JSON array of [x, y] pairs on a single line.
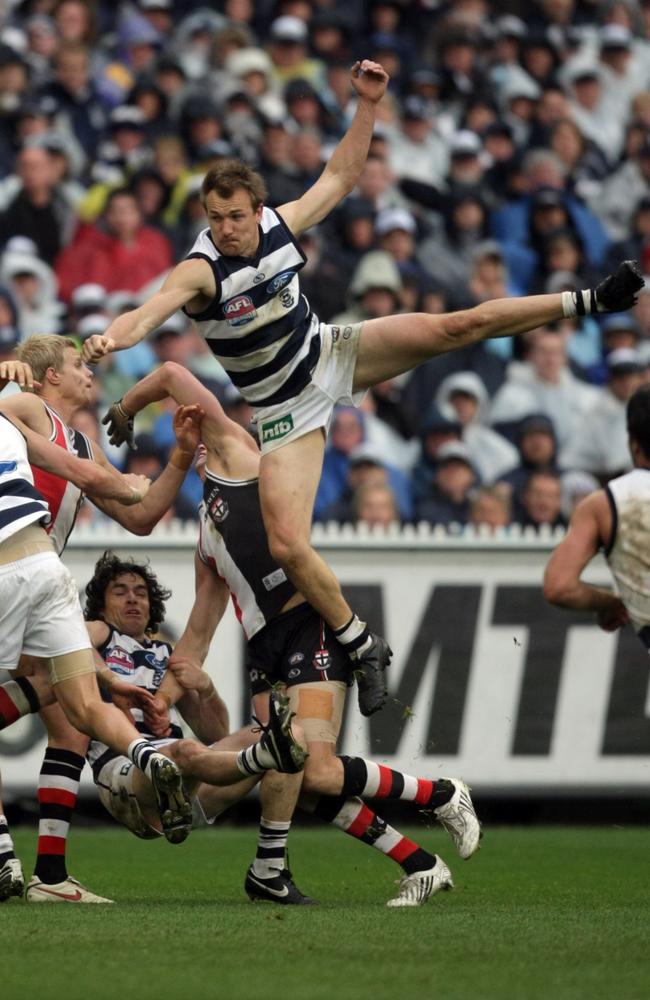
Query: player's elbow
[[556, 589]]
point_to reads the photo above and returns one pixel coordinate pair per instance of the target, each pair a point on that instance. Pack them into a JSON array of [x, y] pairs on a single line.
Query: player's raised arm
[[341, 174], [173, 380], [187, 280]]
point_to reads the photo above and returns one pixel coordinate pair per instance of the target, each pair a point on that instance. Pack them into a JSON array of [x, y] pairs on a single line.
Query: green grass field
[[551, 913]]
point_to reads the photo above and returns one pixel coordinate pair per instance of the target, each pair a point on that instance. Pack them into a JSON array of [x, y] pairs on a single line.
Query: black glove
[[119, 424], [618, 291]]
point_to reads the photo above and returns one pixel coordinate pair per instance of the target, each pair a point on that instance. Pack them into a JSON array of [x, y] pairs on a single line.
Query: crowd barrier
[[488, 681]]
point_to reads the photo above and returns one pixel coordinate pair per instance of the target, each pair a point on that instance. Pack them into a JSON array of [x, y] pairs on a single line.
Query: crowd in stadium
[[511, 156]]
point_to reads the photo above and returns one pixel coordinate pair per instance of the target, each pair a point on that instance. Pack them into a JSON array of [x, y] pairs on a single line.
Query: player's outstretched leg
[[277, 741], [444, 799]]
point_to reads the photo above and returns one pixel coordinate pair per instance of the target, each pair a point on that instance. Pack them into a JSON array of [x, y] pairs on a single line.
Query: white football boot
[[12, 880], [460, 821], [68, 891], [415, 889]]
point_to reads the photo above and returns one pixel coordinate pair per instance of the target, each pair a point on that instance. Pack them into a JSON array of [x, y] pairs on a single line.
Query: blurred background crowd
[[511, 156]]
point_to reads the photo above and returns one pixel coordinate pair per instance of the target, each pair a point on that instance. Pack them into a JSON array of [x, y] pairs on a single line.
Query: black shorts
[[295, 648]]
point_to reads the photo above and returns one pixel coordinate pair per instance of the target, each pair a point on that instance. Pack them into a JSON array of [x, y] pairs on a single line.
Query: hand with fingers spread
[[186, 425], [120, 425]]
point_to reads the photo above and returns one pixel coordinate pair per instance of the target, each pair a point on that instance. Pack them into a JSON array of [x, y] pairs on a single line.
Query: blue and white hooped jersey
[[259, 325], [20, 502], [140, 663]]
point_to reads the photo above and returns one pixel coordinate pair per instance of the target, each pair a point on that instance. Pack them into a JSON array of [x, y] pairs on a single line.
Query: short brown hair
[[43, 351], [229, 175]]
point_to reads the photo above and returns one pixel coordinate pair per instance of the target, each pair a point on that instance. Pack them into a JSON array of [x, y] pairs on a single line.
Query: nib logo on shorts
[[272, 430]]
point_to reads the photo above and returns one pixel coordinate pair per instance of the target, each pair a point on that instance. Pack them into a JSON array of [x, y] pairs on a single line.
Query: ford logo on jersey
[[239, 310], [279, 282]]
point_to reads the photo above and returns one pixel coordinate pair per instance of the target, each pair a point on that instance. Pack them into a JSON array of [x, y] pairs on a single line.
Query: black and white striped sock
[[141, 752], [271, 848], [6, 843], [254, 760]]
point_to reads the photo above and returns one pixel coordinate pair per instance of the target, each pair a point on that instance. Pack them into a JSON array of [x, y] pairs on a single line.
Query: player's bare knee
[[317, 776], [287, 547], [184, 753]]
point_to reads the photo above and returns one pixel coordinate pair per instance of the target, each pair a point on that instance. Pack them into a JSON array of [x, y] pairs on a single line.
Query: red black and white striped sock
[[6, 843], [58, 786], [369, 780], [355, 818], [17, 698], [271, 848]]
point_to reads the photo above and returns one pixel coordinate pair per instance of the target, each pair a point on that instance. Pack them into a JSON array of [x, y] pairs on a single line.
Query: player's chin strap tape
[[579, 303], [29, 691]]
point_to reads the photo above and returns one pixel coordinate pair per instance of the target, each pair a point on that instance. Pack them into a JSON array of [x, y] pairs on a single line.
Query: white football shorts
[[331, 383], [40, 613]]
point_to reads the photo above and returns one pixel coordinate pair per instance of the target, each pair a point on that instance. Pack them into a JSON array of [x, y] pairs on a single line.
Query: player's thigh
[[395, 344], [289, 478], [319, 710], [15, 590]]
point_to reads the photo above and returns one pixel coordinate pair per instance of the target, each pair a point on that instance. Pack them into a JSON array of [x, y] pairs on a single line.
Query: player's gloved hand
[[616, 293], [120, 425]]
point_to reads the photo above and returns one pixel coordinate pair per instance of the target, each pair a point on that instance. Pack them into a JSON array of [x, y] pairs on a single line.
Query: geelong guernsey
[[259, 325], [232, 541], [20, 502], [142, 664], [64, 498], [628, 553]]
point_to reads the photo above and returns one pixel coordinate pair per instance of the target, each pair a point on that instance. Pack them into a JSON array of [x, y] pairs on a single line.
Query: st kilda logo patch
[[322, 659], [218, 508]]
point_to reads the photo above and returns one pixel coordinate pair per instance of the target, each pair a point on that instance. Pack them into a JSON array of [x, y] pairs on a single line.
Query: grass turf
[[539, 914]]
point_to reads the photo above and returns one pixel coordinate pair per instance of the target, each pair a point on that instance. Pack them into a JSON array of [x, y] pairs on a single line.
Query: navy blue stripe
[[18, 513], [300, 377], [298, 318], [213, 310], [282, 358], [20, 487]]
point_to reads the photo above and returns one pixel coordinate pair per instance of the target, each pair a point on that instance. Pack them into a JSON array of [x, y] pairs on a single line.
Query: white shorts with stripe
[[116, 794], [331, 383], [40, 613]]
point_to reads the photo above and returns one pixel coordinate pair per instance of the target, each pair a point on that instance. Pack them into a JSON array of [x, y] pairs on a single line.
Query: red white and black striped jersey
[[20, 502], [63, 498], [233, 543], [259, 325]]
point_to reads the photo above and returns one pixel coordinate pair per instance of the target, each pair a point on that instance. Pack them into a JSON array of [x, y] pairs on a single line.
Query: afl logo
[[217, 507], [279, 282], [239, 310]]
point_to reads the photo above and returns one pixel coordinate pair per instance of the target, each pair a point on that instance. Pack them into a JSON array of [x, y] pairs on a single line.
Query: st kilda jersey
[[64, 498], [140, 663], [232, 541]]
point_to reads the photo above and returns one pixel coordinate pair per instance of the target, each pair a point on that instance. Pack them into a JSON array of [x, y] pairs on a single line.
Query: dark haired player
[[125, 605]]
